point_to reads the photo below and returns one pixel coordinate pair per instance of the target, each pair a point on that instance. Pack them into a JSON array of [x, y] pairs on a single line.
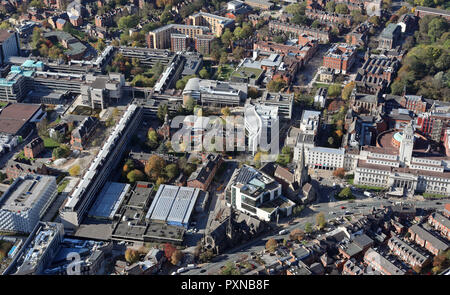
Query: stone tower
[[407, 145]]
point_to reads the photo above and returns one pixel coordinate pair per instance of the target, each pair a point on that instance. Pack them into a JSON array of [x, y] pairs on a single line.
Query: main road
[[331, 210]]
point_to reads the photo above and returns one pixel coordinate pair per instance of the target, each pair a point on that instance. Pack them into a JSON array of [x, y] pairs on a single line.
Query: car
[[438, 203], [202, 270], [342, 207]]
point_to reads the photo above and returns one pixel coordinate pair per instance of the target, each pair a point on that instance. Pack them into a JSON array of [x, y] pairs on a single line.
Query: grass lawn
[[225, 73], [369, 188], [434, 196], [50, 143], [3, 103]]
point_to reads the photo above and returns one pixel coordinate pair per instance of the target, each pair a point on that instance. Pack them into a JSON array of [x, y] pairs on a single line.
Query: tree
[[347, 91], [74, 170], [276, 85], [163, 110], [341, 8], [271, 245], [176, 257], [345, 193], [169, 249], [190, 104], [375, 20], [154, 167], [230, 269], [131, 255], [238, 53], [436, 28], [204, 74], [330, 141], [334, 90], [172, 170], [320, 220], [330, 6], [152, 138], [340, 172], [225, 111], [227, 37], [128, 166], [297, 234], [252, 92], [61, 152], [135, 175], [308, 227]]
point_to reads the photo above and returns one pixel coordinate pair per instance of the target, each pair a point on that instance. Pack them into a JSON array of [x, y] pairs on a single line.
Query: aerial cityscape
[[224, 137]]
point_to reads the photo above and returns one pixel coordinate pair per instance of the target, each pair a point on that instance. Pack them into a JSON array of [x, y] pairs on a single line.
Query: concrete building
[[40, 248], [25, 202], [215, 93], [257, 194], [284, 102], [77, 205], [259, 121], [9, 45]]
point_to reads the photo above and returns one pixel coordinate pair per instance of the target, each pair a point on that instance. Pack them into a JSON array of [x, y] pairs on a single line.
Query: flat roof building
[[25, 202], [173, 205], [109, 200]]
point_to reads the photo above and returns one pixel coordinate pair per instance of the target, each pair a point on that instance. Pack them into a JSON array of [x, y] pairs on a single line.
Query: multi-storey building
[[77, 205], [25, 202], [215, 93], [203, 43], [440, 223], [83, 133], [160, 38], [376, 74], [297, 30], [179, 42], [216, 23], [390, 36], [425, 239], [34, 148], [335, 18], [340, 57], [381, 264], [9, 45], [408, 253], [414, 103], [257, 194]]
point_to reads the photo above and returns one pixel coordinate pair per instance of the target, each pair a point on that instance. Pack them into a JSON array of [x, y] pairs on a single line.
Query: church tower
[[407, 145]]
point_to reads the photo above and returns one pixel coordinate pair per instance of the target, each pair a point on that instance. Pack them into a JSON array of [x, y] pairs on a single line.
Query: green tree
[[227, 37], [345, 193], [135, 175], [330, 6], [308, 227], [163, 110], [436, 28], [172, 170], [190, 104], [320, 220], [334, 90], [176, 257], [204, 74], [341, 8], [230, 269]]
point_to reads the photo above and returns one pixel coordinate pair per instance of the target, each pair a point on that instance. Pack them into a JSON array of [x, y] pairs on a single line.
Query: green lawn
[[434, 196], [369, 188], [50, 143]]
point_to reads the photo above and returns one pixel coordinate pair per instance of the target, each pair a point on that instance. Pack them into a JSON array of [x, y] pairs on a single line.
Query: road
[[332, 210]]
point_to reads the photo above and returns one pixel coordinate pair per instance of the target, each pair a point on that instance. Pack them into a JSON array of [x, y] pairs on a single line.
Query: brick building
[[414, 103], [83, 132], [440, 223], [340, 57], [205, 173], [34, 148], [426, 240]]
